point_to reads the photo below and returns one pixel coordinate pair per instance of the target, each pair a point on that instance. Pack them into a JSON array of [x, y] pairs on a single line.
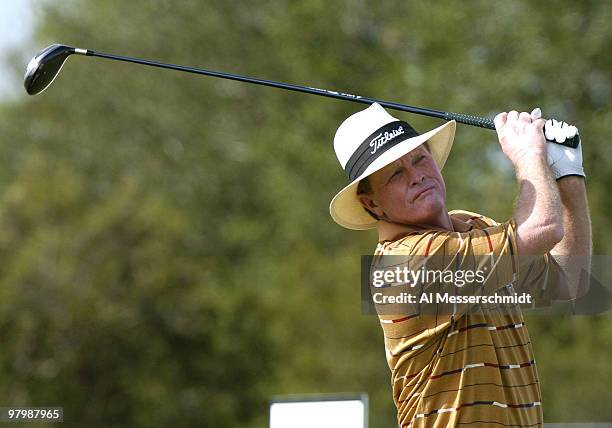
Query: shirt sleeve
[[474, 263], [541, 277]]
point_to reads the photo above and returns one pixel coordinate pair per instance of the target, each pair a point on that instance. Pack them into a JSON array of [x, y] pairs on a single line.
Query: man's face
[[410, 190]]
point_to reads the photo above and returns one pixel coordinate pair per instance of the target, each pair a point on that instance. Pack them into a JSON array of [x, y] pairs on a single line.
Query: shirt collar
[[388, 231]]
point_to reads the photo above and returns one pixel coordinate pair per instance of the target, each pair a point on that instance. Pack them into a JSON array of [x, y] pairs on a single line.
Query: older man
[[474, 364]]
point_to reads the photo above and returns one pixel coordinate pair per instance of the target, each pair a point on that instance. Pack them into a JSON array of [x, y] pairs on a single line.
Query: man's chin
[[430, 204], [429, 212]]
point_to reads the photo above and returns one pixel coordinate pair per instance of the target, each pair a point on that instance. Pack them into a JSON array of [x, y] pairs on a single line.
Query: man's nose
[[416, 178]]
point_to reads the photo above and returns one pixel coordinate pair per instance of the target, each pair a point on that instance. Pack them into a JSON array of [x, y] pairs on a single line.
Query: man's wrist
[[572, 189], [572, 172], [571, 183], [531, 166], [570, 178]]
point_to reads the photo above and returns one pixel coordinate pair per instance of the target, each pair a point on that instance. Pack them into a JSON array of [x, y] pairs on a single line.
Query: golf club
[[44, 68]]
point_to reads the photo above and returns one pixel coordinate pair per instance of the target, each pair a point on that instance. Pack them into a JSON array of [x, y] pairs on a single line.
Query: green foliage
[[168, 257], [104, 311]]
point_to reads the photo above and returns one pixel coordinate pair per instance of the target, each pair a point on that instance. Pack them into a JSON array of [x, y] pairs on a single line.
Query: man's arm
[[573, 252], [538, 214], [538, 223]]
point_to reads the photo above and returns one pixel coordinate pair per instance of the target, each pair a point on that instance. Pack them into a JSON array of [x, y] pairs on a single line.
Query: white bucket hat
[[368, 141]]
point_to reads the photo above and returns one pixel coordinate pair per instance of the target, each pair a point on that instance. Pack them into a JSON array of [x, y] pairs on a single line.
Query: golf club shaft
[[459, 117], [462, 118]]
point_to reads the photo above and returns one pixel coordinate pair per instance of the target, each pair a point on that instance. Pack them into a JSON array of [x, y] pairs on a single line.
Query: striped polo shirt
[[473, 367]]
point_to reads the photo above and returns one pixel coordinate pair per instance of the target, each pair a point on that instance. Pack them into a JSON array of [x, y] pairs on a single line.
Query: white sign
[[319, 413]]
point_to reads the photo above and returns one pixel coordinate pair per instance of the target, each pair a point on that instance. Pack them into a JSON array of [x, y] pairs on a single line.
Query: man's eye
[[420, 158], [395, 174]]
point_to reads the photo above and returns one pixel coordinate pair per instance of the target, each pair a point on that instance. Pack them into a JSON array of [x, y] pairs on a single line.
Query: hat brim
[[346, 209]]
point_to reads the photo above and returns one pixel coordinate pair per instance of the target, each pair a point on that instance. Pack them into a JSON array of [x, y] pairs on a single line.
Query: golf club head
[[44, 67]]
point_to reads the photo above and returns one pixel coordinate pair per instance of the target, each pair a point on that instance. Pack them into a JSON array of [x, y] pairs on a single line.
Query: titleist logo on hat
[[382, 138], [376, 144]]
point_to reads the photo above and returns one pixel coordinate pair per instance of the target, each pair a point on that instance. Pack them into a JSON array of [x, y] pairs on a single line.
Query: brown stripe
[[485, 344], [501, 366], [489, 240], [460, 330], [417, 384], [429, 245], [511, 254], [480, 384], [393, 321], [497, 423]]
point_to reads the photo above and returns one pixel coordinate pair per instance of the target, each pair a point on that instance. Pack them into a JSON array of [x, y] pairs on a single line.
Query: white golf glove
[[563, 160]]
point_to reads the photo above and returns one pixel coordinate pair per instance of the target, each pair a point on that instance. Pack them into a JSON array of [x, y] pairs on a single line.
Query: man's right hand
[[521, 137]]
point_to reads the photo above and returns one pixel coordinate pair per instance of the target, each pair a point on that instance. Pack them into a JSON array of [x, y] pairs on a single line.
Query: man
[[474, 364]]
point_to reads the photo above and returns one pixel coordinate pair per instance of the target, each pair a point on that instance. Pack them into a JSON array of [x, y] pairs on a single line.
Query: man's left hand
[[563, 160]]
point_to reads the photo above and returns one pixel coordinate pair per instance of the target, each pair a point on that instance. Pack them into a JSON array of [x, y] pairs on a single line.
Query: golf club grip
[[468, 119], [483, 122]]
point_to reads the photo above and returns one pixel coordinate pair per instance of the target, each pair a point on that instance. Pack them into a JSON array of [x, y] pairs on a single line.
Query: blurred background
[[167, 253]]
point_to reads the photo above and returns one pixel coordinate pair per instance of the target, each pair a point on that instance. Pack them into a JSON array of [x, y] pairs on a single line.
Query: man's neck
[[445, 222], [389, 230]]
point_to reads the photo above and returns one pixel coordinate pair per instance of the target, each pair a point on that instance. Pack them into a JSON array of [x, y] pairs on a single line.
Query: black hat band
[[376, 144]]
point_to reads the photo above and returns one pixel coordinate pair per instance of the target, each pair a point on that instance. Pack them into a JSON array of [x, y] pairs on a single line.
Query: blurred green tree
[[168, 255], [103, 311]]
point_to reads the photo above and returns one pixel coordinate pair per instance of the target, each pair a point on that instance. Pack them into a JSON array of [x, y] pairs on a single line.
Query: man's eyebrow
[[390, 170]]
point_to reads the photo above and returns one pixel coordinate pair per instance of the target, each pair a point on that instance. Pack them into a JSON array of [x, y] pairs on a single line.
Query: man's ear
[[370, 204]]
